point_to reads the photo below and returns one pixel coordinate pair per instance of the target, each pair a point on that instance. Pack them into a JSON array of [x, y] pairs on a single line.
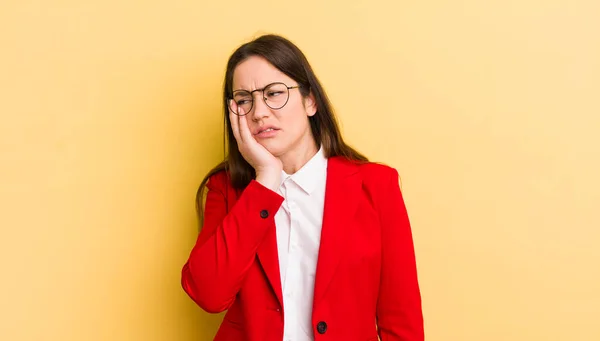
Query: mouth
[[267, 133]]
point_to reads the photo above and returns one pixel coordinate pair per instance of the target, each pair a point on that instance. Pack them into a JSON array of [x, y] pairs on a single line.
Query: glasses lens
[[276, 95], [243, 99]]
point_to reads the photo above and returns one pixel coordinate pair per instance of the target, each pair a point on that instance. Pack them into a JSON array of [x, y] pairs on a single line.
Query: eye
[[274, 93], [242, 102]]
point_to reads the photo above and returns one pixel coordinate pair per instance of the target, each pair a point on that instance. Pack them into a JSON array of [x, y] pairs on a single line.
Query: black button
[[321, 327], [264, 214]]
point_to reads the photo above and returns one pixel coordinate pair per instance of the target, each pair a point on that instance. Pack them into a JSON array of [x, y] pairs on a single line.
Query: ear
[[310, 104]]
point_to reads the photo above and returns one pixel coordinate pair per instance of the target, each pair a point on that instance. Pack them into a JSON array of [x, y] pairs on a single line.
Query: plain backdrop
[[110, 116]]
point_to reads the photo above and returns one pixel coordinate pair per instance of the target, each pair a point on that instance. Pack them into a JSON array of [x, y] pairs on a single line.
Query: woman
[[302, 238]]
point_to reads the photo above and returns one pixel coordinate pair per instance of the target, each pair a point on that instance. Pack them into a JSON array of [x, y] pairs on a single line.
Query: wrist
[[269, 179]]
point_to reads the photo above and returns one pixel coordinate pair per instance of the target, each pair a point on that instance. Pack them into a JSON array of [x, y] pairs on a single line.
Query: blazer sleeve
[[226, 246], [399, 313]]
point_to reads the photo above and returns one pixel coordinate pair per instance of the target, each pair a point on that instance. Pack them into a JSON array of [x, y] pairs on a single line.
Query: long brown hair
[[288, 58]]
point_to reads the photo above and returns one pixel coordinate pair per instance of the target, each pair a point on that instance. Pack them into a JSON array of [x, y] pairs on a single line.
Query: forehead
[[256, 72]]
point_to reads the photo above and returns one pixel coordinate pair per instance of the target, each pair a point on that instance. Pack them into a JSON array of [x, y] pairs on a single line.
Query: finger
[[244, 128], [234, 120]]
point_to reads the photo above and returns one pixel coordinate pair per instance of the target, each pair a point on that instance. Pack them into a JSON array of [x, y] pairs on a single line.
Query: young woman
[[302, 238]]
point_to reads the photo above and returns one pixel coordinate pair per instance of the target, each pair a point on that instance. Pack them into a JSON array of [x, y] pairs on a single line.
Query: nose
[[260, 110]]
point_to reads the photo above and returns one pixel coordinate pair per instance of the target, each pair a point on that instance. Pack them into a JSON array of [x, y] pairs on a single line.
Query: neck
[[295, 159]]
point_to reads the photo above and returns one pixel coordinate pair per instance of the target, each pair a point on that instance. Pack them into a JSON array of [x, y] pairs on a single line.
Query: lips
[[265, 129]]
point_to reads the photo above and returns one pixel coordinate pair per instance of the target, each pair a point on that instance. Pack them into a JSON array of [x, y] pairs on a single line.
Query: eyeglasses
[[275, 95]]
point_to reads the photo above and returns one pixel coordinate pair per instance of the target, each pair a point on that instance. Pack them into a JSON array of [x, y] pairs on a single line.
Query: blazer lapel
[[342, 193], [269, 259]]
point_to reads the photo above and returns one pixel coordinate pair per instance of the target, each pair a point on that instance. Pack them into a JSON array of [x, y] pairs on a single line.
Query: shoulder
[[377, 171], [374, 175], [378, 178]]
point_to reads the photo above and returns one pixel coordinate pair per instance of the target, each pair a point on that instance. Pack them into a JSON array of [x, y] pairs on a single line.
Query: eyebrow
[[259, 88]]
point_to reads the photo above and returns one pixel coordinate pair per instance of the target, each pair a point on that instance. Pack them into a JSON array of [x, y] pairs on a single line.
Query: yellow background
[[110, 117]]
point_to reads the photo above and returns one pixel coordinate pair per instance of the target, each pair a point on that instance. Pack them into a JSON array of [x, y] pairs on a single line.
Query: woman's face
[[291, 128]]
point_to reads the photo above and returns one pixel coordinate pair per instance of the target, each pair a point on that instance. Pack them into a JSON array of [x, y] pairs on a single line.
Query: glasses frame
[[262, 91]]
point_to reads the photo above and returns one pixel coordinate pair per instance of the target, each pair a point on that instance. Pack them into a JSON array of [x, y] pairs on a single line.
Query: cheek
[[294, 122], [295, 116]]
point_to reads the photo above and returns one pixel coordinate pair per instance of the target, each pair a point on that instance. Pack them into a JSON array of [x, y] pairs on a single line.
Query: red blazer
[[366, 279]]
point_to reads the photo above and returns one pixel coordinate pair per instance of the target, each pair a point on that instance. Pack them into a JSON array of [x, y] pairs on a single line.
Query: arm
[[399, 314], [227, 244]]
